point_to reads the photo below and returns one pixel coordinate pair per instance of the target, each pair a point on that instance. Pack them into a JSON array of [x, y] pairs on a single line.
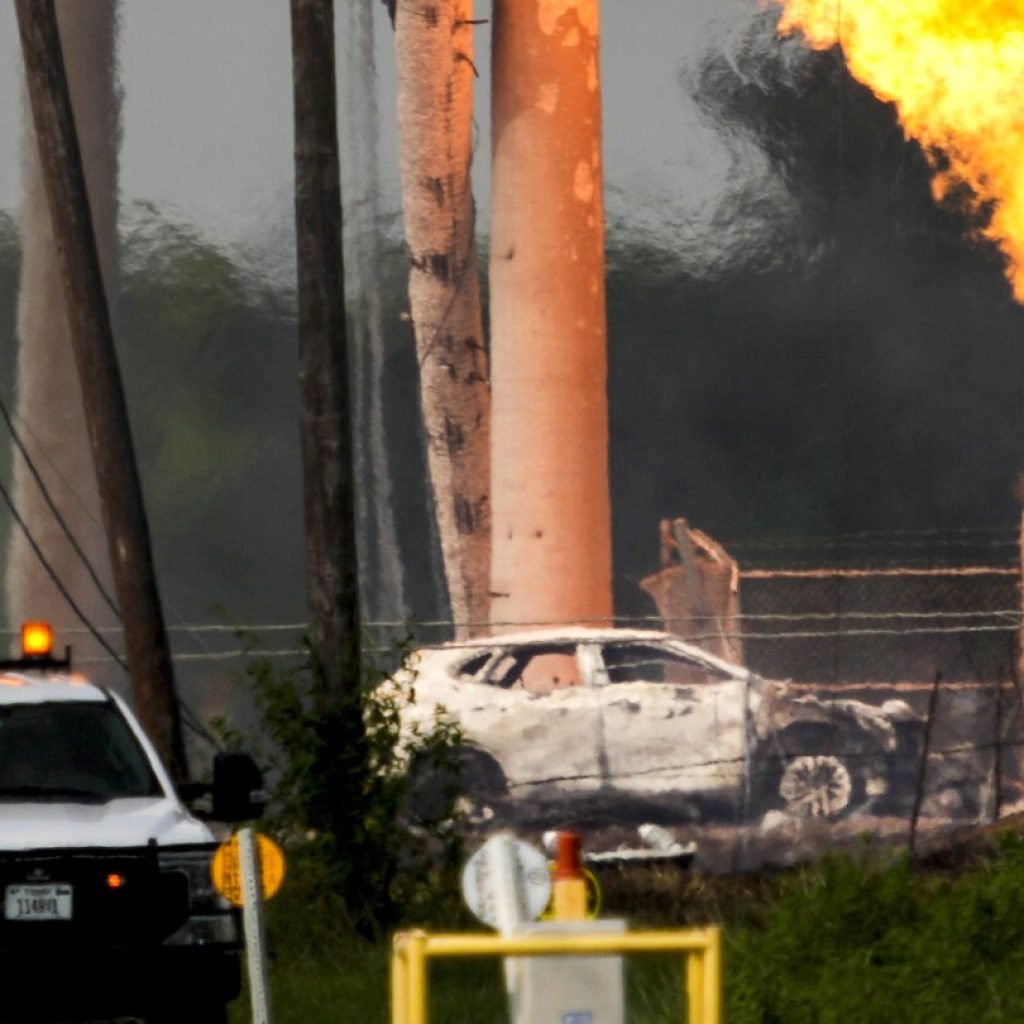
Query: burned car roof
[[584, 635]]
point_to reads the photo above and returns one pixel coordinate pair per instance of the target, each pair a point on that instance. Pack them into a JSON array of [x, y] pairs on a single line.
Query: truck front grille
[[119, 898]]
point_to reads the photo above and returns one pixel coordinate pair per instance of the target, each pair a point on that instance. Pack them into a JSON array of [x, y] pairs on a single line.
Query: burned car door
[[672, 724], [531, 711]]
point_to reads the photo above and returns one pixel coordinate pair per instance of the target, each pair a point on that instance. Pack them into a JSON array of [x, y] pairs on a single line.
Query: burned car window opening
[[472, 668], [644, 663], [538, 669], [74, 751]]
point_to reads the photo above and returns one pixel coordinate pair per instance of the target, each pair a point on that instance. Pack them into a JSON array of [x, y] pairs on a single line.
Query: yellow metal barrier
[[701, 948]]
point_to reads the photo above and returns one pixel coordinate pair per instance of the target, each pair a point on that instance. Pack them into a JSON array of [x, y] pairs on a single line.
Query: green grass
[[851, 939]]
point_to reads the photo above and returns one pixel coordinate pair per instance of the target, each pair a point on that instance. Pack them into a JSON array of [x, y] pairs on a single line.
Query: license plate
[[38, 902]]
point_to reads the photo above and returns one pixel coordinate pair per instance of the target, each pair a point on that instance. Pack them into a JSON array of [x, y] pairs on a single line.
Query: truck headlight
[[195, 866]]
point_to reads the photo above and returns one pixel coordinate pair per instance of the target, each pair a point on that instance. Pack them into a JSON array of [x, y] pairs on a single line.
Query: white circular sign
[[505, 881]]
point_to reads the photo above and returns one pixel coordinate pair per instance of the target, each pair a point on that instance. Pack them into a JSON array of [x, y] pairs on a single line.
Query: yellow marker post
[[226, 869], [700, 948]]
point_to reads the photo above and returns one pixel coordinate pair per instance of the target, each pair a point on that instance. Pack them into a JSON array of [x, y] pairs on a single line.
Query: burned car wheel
[[435, 783], [816, 786]]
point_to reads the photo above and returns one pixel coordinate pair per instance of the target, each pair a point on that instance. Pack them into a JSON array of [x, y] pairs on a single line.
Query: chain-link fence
[[894, 625], [931, 623]]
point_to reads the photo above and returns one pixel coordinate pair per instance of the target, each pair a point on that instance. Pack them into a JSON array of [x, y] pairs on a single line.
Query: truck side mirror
[[237, 788]]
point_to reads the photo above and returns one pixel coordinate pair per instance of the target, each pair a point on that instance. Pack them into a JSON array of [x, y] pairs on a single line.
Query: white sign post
[[506, 883], [252, 922]]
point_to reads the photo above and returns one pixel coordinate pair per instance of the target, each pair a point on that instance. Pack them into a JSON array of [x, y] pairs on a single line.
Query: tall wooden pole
[[332, 578], [124, 514], [551, 519], [434, 49], [48, 390]]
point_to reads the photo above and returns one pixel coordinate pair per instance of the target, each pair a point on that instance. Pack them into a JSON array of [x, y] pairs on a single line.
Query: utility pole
[[124, 513], [331, 567]]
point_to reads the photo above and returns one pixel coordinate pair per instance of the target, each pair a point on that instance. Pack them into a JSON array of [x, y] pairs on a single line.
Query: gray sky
[[207, 111], [207, 108]]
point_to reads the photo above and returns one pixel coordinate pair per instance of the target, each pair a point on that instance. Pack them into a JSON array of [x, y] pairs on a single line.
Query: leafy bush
[[873, 938], [340, 794]]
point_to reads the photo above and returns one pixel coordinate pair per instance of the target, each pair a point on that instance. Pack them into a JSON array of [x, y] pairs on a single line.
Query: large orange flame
[[955, 71]]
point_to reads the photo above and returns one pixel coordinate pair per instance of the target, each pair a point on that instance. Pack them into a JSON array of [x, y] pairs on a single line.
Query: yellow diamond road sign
[[226, 869]]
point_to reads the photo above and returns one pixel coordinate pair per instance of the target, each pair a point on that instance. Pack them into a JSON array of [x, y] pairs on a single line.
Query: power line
[[61, 522], [83, 504], [100, 639], [189, 717]]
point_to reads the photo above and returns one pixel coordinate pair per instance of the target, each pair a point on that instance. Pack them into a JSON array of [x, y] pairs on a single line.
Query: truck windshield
[[72, 751]]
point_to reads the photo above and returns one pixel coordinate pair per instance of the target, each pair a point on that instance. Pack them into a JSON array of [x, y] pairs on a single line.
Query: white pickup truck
[[108, 905]]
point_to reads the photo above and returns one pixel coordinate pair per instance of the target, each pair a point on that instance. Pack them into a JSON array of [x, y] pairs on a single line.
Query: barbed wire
[[821, 645], [853, 756], [876, 535], [209, 656], [622, 621], [696, 638], [1013, 615], [903, 570], [1011, 624], [867, 545], [262, 627]]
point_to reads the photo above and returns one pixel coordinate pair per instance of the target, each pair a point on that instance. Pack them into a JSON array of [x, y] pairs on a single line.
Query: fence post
[[923, 772], [1015, 681], [997, 764]]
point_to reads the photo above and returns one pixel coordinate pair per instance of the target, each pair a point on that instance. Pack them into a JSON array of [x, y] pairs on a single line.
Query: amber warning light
[[36, 653], [36, 640]]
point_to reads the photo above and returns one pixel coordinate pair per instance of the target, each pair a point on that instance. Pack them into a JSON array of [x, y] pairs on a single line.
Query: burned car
[[593, 725]]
